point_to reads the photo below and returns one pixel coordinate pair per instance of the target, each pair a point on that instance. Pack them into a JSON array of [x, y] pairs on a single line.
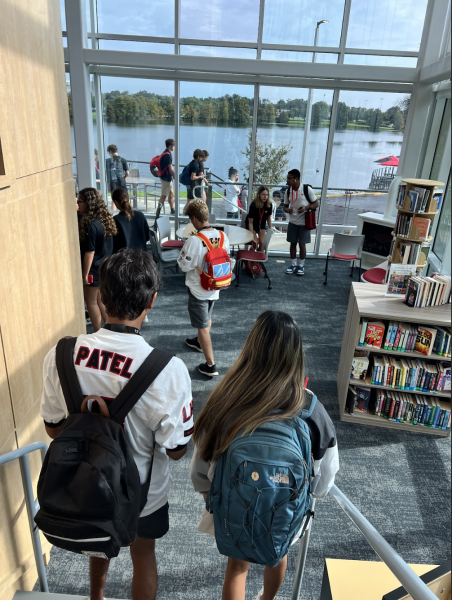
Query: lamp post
[[307, 123]]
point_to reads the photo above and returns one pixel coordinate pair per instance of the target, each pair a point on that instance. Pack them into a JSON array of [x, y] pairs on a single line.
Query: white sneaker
[[260, 594]]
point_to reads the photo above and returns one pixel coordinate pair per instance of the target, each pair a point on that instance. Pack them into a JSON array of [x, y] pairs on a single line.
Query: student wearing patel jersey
[[296, 205], [200, 301], [104, 363]]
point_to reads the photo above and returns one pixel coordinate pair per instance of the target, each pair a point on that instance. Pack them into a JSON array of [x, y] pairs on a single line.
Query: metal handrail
[[410, 581], [30, 502]]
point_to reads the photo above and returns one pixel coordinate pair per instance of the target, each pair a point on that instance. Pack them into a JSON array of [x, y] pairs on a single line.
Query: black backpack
[[89, 488]]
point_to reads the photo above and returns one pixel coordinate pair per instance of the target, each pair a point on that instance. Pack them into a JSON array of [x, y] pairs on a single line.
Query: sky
[[376, 24]]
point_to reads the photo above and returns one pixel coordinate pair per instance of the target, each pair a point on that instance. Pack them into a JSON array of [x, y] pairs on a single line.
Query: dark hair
[[128, 280], [97, 209], [198, 154], [296, 173], [206, 154], [276, 194], [112, 148], [232, 172], [121, 198], [169, 142]]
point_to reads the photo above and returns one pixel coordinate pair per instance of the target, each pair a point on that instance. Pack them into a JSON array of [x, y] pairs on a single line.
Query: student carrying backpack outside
[[252, 460], [105, 479], [205, 260]]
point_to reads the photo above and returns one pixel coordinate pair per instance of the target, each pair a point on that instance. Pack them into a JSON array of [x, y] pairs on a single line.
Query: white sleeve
[[311, 194], [325, 470], [176, 426], [189, 255], [199, 473], [286, 198], [53, 406]]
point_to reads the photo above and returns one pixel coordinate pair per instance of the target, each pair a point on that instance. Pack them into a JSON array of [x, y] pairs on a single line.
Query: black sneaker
[[173, 212], [206, 370], [194, 343]]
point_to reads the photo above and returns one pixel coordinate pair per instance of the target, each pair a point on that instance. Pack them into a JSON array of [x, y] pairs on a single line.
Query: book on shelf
[[398, 278], [425, 340], [401, 195], [360, 365], [358, 399], [438, 198], [374, 335], [423, 225]]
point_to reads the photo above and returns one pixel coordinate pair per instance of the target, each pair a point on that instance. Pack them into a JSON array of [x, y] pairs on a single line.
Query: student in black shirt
[[166, 177], [96, 230], [196, 175], [260, 215], [133, 229]]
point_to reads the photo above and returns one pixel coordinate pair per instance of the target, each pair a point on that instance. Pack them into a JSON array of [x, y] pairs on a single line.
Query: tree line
[[237, 110]]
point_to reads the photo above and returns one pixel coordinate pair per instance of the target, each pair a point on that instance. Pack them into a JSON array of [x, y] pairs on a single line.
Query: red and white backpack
[[216, 271]]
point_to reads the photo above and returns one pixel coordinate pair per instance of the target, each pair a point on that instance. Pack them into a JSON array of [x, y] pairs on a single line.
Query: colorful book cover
[[425, 340], [411, 293], [375, 334], [363, 398], [398, 278], [360, 364]]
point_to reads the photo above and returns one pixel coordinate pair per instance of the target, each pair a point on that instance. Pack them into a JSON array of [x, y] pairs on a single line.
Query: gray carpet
[[399, 481]]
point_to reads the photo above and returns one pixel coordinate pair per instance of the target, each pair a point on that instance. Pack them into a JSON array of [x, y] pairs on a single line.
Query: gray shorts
[[200, 311], [298, 234]]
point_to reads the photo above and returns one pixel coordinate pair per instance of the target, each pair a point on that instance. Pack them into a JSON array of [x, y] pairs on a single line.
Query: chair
[[164, 230], [251, 255], [164, 259], [374, 275], [345, 247]]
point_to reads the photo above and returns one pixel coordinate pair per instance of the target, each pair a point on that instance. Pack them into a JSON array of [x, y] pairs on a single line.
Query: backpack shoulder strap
[[307, 412], [64, 357], [138, 384], [306, 187], [221, 244], [205, 240]]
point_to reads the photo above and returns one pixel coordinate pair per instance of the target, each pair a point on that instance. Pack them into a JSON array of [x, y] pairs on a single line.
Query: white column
[[81, 93]]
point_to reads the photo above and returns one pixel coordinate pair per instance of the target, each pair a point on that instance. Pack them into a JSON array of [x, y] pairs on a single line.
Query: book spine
[[363, 333], [388, 337], [397, 338], [393, 336], [391, 409]]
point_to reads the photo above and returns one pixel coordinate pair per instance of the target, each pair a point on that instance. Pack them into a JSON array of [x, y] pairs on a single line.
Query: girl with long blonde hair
[[260, 215], [266, 384], [96, 231]]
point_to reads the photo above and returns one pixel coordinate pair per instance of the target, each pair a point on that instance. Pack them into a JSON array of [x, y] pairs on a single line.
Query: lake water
[[354, 154]]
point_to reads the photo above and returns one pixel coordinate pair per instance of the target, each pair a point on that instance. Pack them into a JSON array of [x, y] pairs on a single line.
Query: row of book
[[409, 251], [410, 374], [418, 196], [406, 337], [414, 409], [400, 407], [404, 224], [422, 292]]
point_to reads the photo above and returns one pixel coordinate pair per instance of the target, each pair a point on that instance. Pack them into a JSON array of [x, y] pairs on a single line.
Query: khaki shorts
[[167, 187]]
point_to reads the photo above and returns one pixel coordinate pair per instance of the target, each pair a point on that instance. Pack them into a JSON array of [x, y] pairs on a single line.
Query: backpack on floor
[[89, 488], [254, 268], [184, 177], [216, 273], [260, 496], [154, 165]]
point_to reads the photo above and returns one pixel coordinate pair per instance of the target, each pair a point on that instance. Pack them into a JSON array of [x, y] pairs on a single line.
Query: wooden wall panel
[[41, 295], [33, 71]]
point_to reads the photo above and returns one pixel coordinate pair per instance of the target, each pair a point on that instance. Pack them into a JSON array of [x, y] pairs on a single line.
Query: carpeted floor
[[400, 481]]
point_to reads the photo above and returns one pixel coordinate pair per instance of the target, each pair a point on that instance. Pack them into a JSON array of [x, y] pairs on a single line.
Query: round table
[[237, 236]]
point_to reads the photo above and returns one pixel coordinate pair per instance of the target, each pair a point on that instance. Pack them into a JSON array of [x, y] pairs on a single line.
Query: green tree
[[111, 114], [399, 122], [241, 107], [375, 120], [223, 112], [270, 162], [120, 108], [283, 117], [342, 116], [207, 112], [316, 118], [189, 113], [130, 108]]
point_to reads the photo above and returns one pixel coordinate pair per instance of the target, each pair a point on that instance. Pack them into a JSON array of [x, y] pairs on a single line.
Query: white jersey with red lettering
[[104, 362]]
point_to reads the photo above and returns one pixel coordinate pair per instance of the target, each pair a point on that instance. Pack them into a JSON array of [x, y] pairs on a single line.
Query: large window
[[367, 143], [154, 18]]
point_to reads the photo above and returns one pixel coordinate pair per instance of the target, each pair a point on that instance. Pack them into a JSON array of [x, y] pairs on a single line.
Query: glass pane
[[228, 20], [154, 18], [442, 140], [369, 128], [381, 61], [136, 46], [444, 226], [296, 24], [386, 25], [321, 57], [217, 118], [281, 136], [218, 51], [63, 15], [138, 118]]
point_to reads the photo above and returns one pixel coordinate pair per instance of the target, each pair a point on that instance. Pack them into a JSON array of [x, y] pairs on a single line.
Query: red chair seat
[[345, 256], [173, 244], [251, 255], [375, 275]]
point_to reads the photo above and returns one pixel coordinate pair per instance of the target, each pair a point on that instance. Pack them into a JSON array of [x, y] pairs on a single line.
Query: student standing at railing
[[167, 176], [231, 194], [196, 173], [253, 394]]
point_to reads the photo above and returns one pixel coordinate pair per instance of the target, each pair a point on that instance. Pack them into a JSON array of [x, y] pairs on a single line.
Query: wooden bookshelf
[[368, 301]]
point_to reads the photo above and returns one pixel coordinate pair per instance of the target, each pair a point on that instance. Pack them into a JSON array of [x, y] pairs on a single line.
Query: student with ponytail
[[133, 229]]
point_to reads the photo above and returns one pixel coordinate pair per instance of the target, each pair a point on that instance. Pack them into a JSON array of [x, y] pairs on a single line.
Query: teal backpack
[[260, 496]]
